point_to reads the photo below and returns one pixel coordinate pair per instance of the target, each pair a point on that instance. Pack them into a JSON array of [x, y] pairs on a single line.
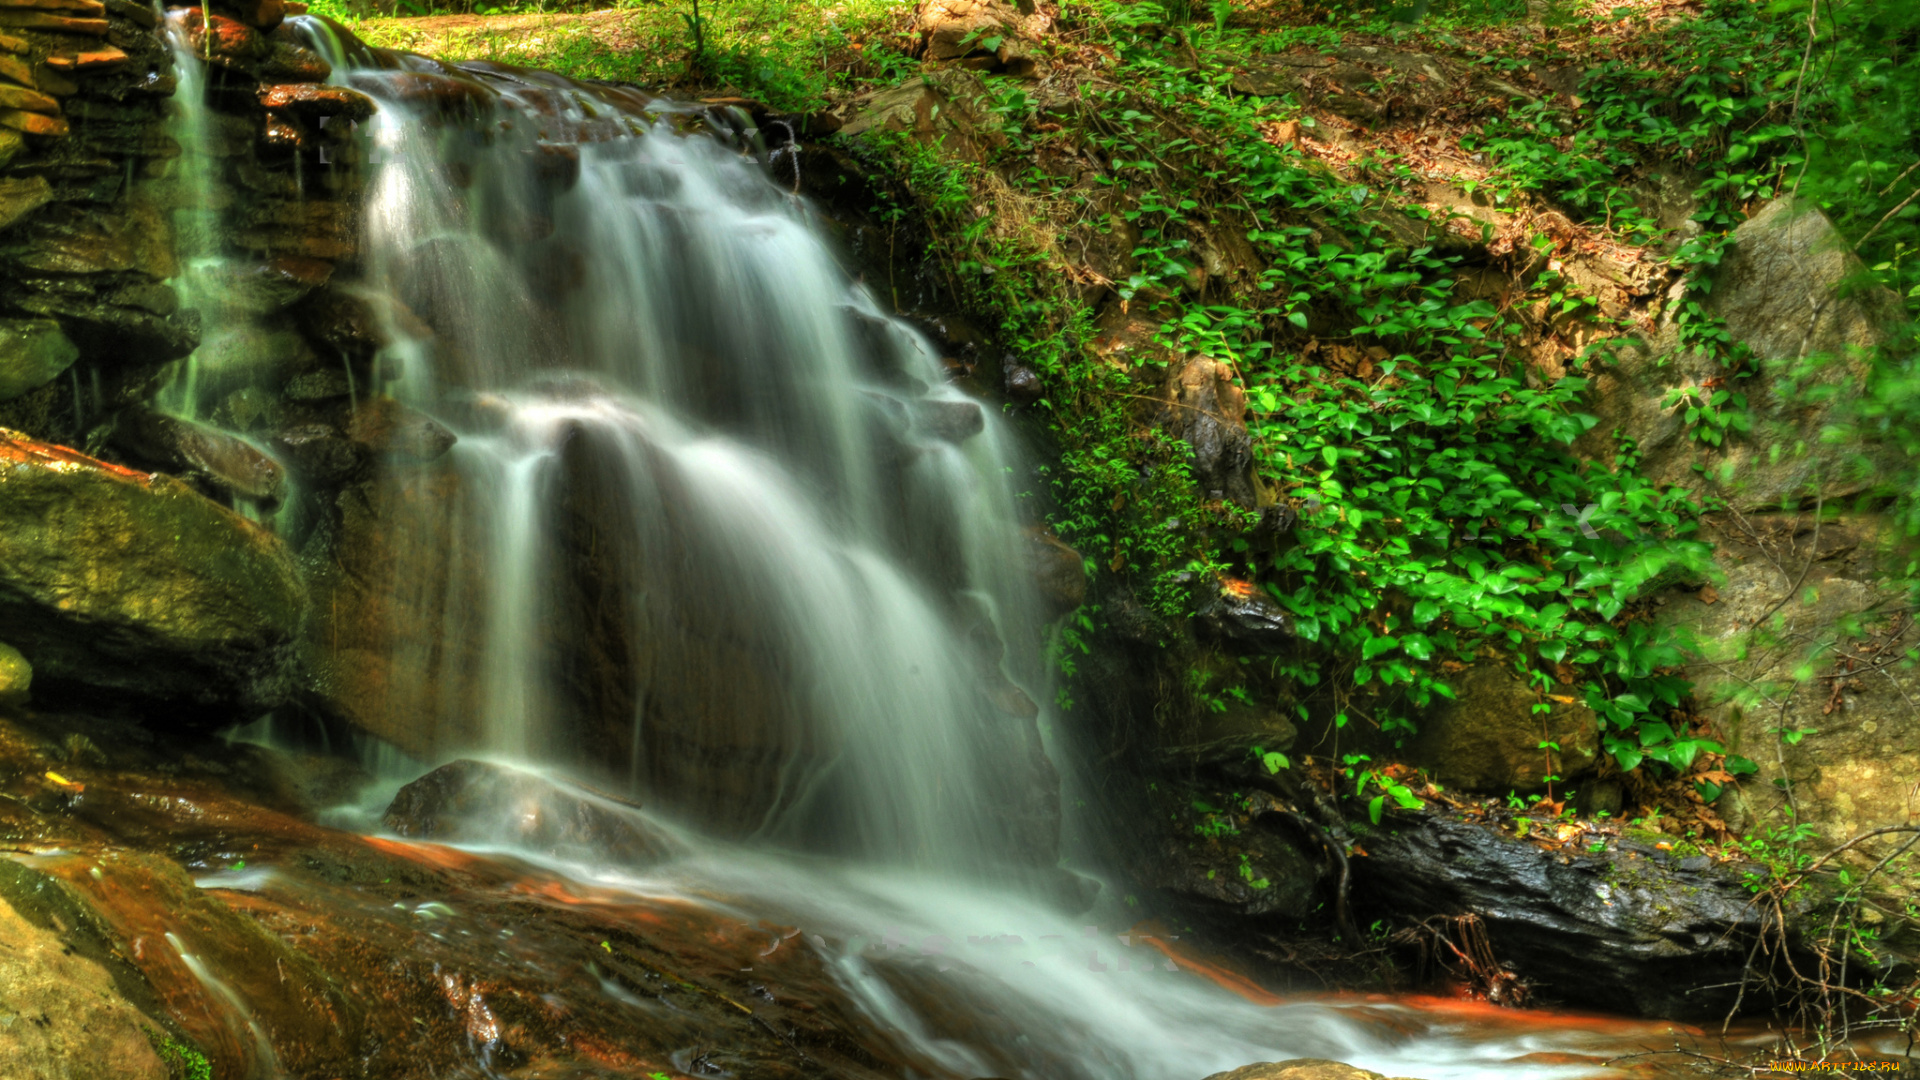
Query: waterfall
[[738, 546], [718, 533]]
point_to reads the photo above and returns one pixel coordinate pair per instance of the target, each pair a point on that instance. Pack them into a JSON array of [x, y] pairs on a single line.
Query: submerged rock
[[135, 587], [953, 421], [480, 801]]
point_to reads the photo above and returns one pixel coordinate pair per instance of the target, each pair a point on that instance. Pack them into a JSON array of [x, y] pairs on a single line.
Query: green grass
[[792, 55]]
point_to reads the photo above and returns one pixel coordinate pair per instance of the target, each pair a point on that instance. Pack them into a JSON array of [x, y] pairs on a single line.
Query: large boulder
[[1783, 289], [134, 587], [1801, 663], [994, 33], [1632, 928], [941, 109], [1487, 739], [481, 802], [61, 1017]]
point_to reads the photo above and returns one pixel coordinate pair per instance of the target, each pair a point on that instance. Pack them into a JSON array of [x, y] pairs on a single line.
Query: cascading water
[[717, 531], [801, 590]]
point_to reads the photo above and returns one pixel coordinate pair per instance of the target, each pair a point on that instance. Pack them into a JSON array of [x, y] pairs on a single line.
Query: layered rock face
[[86, 245], [147, 591]]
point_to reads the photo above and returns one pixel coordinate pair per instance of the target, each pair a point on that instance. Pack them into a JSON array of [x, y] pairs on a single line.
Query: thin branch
[[1904, 203], [1888, 190]]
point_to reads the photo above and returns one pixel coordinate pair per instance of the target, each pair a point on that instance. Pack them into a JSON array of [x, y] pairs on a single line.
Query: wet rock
[[193, 450], [225, 42], [16, 676], [1244, 618], [33, 352], [120, 584], [312, 101], [951, 421], [1487, 739], [398, 585], [323, 385], [1782, 290], [343, 321], [289, 61], [451, 96], [388, 428], [260, 14], [62, 1016], [481, 802], [263, 288], [476, 413], [320, 453], [20, 196], [1059, 572], [1615, 930], [1299, 1069], [1023, 385]]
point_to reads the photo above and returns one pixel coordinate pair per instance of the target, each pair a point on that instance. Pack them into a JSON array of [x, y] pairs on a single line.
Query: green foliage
[[1434, 484], [182, 1060]]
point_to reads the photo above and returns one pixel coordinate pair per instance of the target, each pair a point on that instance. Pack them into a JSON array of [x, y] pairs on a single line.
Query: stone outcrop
[[989, 35], [1784, 291], [1059, 572], [1487, 739], [33, 352], [939, 108], [86, 247], [60, 1015], [1800, 662], [136, 588], [1208, 409], [1628, 929]]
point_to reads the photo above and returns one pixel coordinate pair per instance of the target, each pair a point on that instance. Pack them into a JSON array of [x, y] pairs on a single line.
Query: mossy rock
[[135, 589]]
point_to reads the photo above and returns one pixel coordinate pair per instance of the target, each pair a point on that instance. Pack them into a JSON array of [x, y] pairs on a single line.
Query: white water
[[818, 606]]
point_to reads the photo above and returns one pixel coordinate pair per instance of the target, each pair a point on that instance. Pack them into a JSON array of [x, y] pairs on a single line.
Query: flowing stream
[[718, 534]]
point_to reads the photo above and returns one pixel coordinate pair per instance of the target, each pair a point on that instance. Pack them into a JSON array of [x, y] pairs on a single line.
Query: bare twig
[[1904, 203]]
